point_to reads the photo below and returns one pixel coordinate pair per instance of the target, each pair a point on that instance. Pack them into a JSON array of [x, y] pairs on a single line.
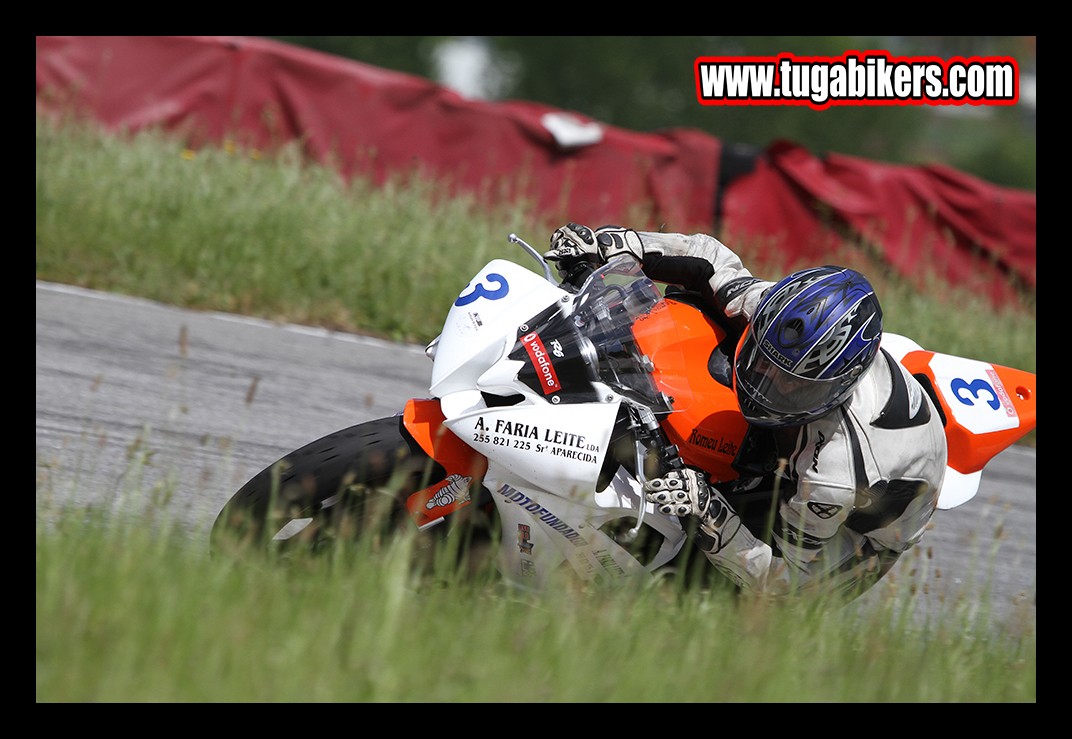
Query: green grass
[[131, 609], [228, 231]]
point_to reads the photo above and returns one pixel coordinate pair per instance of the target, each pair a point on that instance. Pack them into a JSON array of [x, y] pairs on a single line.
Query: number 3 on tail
[[975, 393], [959, 387], [479, 291]]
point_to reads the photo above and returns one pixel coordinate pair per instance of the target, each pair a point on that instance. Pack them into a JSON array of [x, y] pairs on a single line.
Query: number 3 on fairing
[[479, 291], [974, 388]]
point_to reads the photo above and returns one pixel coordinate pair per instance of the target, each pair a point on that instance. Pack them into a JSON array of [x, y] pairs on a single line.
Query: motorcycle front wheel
[[347, 486]]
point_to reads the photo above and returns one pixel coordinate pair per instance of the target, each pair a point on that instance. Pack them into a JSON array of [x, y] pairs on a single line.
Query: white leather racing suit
[[855, 488]]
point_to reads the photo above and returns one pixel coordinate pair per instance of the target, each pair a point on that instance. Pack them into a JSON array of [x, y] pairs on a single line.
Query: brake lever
[[547, 273]]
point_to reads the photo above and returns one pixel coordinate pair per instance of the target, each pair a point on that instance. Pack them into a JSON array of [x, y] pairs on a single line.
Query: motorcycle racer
[[845, 437]]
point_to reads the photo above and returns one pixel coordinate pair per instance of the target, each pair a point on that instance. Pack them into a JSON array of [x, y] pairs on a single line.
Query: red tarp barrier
[[378, 123], [927, 221]]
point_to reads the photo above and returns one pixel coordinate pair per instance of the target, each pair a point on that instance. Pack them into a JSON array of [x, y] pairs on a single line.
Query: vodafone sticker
[[538, 354]]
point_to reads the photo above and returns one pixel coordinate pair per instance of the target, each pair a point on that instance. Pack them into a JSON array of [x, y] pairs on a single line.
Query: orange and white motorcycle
[[550, 404]]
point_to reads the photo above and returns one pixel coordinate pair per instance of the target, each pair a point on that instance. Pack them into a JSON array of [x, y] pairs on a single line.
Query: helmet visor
[[781, 396]]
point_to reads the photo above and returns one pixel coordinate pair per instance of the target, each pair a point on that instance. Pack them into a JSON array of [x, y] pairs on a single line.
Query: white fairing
[[481, 325], [898, 346], [542, 530], [545, 449], [557, 449], [958, 488]]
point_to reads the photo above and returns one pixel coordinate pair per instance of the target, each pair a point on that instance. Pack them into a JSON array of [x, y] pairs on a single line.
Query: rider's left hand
[[574, 243]]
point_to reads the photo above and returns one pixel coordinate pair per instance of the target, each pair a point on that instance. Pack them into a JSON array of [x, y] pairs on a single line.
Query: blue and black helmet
[[810, 341]]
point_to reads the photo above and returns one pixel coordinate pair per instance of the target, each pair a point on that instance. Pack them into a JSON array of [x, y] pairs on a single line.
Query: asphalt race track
[[215, 398]]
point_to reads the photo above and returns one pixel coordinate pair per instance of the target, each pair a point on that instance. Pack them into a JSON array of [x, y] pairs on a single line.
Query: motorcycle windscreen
[[556, 359], [571, 354]]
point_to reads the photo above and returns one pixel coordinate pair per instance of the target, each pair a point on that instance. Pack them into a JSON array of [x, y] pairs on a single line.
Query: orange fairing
[[706, 424], [987, 407], [464, 467]]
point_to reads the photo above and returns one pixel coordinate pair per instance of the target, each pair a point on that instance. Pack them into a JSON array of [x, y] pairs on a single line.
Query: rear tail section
[[985, 407]]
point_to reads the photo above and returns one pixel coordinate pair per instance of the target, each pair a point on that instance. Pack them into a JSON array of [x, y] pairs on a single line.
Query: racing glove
[[575, 243], [686, 492]]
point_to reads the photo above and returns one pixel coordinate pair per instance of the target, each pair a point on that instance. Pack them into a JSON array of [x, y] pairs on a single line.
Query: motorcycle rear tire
[[351, 483]]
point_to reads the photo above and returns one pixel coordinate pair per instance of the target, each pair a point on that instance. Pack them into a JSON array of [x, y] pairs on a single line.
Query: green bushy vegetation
[[276, 237]]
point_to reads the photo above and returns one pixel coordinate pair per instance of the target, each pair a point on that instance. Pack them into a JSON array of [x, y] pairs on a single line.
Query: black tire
[[351, 483]]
